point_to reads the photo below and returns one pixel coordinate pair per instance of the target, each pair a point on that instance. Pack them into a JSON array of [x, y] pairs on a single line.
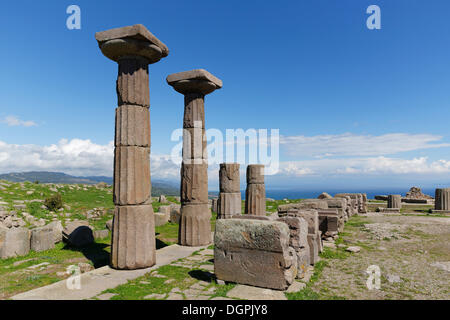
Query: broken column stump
[[229, 203], [255, 194]]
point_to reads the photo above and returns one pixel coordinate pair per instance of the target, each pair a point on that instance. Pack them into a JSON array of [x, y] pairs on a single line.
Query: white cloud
[[364, 166], [13, 121], [325, 146]]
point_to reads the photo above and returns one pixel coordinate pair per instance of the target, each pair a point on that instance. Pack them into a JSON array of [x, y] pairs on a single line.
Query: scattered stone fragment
[[296, 286], [254, 293], [392, 278], [155, 296], [353, 249], [106, 296]]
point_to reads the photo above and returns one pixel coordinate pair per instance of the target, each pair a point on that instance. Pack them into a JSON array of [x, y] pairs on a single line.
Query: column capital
[[133, 40], [197, 81]]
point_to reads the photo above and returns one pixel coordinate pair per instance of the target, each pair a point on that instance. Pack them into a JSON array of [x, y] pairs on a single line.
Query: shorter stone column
[[394, 201], [255, 195], [229, 203], [442, 199]]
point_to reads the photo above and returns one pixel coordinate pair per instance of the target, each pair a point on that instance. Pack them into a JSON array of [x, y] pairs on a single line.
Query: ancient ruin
[[255, 194], [195, 227], [133, 236], [229, 202], [394, 201], [442, 200]]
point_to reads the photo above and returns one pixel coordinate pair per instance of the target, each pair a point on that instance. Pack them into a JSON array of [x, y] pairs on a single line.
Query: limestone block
[[229, 181], [394, 201], [14, 242], [328, 221], [133, 237], [255, 173], [132, 176], [42, 239], [298, 228], [310, 216], [194, 183], [313, 248], [57, 229], [161, 219], [252, 217], [254, 252], [195, 225], [175, 213], [255, 199], [229, 204], [132, 126], [324, 195]]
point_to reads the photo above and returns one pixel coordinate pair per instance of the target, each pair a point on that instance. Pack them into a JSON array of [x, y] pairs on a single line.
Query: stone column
[[255, 195], [133, 234], [442, 199], [230, 195], [394, 201], [195, 225]]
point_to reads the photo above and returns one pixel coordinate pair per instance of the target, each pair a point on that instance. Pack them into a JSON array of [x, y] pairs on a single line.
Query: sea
[[280, 194]]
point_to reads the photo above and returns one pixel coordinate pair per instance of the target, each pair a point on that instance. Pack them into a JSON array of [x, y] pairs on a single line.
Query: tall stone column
[[230, 194], [442, 199], [394, 201], [255, 195], [195, 225], [133, 234]]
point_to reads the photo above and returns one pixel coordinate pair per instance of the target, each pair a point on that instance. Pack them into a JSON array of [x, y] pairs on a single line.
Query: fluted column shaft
[[229, 203], [255, 194], [394, 201], [442, 199]]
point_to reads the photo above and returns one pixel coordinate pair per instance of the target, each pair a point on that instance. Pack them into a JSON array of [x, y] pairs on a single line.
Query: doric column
[[255, 195], [394, 201], [442, 199], [230, 194], [195, 225], [133, 234]]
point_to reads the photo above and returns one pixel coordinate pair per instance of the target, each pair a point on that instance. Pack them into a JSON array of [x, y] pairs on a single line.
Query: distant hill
[[158, 186]]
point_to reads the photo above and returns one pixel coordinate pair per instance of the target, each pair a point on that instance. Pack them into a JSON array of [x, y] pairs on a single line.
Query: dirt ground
[[412, 252]]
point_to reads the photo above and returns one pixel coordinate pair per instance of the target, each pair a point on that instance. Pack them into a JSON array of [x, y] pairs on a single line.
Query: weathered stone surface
[[253, 293], [416, 193], [442, 199], [133, 40], [194, 81], [324, 195], [78, 234], [303, 261], [255, 199], [194, 111], [160, 219], [57, 229], [229, 181], [42, 239], [175, 213], [109, 224], [101, 234], [298, 228], [328, 221], [14, 242], [194, 146], [310, 216], [254, 252], [229, 204], [132, 176], [252, 217], [194, 183], [313, 248], [132, 82], [314, 204], [132, 126], [394, 201], [255, 174], [133, 237], [195, 226]]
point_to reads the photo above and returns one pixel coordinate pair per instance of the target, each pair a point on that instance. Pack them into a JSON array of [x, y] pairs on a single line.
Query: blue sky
[[379, 99]]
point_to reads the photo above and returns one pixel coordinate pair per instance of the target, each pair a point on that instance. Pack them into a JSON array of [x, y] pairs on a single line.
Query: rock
[[85, 267], [175, 213], [254, 252], [42, 239], [109, 225], [162, 199], [155, 296], [296, 287], [101, 185], [353, 249], [416, 193], [101, 234], [324, 195], [442, 265], [253, 293], [106, 296], [57, 228], [160, 219], [393, 278], [14, 242], [78, 234]]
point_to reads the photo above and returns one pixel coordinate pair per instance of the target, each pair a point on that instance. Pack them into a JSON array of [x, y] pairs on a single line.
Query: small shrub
[[54, 202], [36, 182]]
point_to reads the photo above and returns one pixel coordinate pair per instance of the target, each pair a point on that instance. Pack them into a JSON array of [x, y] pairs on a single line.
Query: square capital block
[[197, 81], [133, 40]]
